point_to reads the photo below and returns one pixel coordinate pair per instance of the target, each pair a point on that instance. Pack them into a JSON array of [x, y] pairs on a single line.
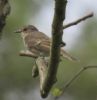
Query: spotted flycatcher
[[39, 43]]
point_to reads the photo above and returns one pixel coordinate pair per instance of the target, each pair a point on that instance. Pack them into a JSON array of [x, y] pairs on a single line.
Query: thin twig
[[78, 20], [63, 89]]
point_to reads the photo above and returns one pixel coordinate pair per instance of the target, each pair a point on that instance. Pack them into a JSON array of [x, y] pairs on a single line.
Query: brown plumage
[[39, 43]]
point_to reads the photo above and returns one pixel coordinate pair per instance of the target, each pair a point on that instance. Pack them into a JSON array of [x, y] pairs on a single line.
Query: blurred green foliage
[[15, 71]]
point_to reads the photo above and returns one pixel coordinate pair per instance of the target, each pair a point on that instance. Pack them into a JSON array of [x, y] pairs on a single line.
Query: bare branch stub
[[4, 11]]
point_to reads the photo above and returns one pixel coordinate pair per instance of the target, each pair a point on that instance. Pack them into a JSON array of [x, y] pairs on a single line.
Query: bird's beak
[[18, 31]]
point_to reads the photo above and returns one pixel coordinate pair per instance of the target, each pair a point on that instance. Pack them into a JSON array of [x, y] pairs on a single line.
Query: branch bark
[[57, 32]]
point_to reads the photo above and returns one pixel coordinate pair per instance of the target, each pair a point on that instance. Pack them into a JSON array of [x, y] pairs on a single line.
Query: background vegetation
[[16, 82]]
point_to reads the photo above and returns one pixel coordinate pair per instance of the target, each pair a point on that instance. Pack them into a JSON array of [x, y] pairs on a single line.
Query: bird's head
[[26, 29]]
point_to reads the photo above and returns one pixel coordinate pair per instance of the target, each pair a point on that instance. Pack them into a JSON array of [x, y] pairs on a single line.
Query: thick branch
[[63, 89], [78, 21], [4, 11], [57, 32]]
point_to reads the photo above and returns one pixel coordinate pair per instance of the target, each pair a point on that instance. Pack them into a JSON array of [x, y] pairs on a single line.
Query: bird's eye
[[25, 29]]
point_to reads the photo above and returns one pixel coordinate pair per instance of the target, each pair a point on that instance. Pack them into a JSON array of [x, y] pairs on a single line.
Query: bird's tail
[[67, 56]]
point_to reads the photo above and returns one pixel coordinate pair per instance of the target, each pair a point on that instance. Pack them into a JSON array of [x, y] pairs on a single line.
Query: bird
[[39, 43]]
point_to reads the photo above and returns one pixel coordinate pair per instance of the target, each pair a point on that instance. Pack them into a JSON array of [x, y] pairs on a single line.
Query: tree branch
[[27, 54], [63, 89], [78, 20], [4, 11], [57, 32]]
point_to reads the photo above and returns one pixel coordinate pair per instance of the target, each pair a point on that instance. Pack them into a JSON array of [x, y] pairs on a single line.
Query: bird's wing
[[40, 35], [44, 46], [43, 42]]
